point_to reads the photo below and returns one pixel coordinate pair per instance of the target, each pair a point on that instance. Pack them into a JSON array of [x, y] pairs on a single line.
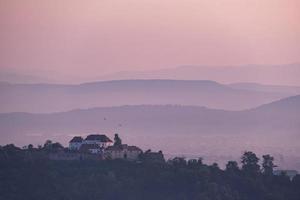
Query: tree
[[268, 165], [200, 161], [45, 179], [232, 166], [56, 146], [215, 166], [296, 181], [47, 144], [30, 147], [250, 163], [148, 151], [118, 141], [178, 162], [193, 163]]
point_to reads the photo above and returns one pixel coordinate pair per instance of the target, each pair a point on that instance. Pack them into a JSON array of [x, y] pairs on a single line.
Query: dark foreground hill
[[37, 178]]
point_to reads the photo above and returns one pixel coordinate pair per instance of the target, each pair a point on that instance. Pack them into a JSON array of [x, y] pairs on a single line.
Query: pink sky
[[88, 37]]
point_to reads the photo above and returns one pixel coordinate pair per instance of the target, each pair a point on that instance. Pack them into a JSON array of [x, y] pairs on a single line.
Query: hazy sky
[[88, 37]]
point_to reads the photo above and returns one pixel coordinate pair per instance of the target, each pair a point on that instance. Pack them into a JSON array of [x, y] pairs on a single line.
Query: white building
[[75, 143], [92, 143], [91, 148], [102, 145], [101, 140]]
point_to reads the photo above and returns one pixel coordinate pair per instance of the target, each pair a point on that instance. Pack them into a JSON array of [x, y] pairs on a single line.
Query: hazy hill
[[266, 88], [216, 135], [278, 117], [39, 98], [287, 74]]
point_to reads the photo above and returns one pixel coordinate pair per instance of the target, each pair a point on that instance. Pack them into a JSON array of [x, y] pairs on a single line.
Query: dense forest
[[29, 174]]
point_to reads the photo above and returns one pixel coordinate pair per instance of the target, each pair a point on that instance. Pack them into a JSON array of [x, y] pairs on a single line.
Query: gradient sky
[[88, 37]]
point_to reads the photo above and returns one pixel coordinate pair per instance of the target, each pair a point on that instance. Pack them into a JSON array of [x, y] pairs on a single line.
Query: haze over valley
[[281, 74], [195, 118], [205, 78], [46, 98], [190, 118], [150, 99], [188, 130]]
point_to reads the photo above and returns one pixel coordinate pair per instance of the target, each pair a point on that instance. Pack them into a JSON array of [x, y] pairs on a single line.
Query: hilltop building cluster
[[92, 143], [103, 147]]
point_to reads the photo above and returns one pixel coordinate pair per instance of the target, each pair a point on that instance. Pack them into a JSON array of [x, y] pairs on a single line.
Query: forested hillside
[[27, 174]]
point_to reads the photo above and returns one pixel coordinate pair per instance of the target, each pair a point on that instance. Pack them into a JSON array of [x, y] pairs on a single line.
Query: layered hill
[[192, 131], [278, 117], [287, 74], [292, 90], [40, 98]]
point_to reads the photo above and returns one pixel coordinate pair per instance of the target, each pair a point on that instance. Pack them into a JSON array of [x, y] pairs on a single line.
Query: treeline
[[27, 174]]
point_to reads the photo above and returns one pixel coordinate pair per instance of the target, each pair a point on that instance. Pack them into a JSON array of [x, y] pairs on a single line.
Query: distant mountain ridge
[[216, 135], [290, 105], [39, 98], [281, 74], [280, 116], [266, 88], [285, 74]]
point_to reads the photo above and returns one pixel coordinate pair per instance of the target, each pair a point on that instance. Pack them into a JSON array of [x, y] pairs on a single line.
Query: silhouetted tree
[[268, 165], [47, 144], [30, 147], [200, 161], [215, 166], [41, 178], [296, 184], [250, 163], [178, 162], [148, 151], [11, 148], [118, 141], [232, 166], [192, 163], [56, 146]]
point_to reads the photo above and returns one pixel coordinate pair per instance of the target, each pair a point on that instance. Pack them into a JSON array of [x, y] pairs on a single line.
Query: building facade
[[101, 140], [75, 143], [93, 143], [103, 147], [123, 152]]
